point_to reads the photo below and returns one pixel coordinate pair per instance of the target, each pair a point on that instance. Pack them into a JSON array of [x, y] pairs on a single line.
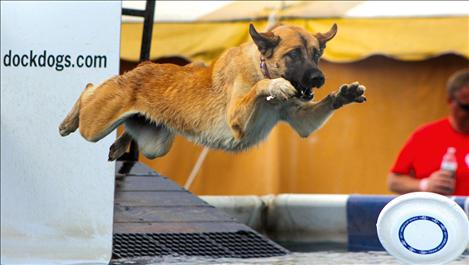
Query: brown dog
[[232, 104]]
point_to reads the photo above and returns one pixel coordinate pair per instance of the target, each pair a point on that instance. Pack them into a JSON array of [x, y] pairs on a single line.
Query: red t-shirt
[[424, 150]]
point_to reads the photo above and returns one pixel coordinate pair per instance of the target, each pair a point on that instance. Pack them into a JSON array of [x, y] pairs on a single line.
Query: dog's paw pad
[[349, 93]]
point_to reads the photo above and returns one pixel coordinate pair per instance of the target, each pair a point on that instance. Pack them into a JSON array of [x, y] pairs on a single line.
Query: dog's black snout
[[318, 81], [313, 78]]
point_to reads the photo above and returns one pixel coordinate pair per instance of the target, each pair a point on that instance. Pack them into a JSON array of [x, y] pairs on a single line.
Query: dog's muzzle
[[311, 79]]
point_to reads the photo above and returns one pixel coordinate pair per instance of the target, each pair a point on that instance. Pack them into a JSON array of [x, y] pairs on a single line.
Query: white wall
[[56, 193]]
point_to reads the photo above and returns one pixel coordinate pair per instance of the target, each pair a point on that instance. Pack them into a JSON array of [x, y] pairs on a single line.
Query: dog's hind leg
[[104, 108], [154, 140], [71, 122], [120, 146]]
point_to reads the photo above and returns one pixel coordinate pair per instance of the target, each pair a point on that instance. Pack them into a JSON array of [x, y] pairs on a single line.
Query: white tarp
[[187, 11], [56, 193]]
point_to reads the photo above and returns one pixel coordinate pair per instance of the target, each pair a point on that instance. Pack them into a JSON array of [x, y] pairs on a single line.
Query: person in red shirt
[[418, 166]]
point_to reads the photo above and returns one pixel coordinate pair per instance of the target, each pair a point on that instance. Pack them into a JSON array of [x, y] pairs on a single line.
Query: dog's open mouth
[[303, 93], [306, 94]]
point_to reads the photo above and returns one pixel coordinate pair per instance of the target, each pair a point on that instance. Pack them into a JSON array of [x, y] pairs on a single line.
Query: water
[[296, 258]]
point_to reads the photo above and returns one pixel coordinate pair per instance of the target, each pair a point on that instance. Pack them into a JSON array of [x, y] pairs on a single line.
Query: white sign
[[56, 193]]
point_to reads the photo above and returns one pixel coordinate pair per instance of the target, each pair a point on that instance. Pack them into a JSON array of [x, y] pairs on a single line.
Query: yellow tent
[[403, 37]]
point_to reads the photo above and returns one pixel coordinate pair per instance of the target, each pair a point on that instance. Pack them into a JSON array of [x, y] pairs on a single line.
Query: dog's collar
[[264, 69]]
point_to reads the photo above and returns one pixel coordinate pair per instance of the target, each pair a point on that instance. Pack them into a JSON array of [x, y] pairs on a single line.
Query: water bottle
[[449, 161]]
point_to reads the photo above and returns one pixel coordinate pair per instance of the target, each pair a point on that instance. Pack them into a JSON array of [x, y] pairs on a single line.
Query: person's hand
[[440, 181]]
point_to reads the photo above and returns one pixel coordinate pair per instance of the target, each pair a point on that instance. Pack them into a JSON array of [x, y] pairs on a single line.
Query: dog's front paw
[[280, 89], [348, 93]]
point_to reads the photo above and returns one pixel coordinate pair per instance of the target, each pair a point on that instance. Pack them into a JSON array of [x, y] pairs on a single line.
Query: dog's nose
[[318, 81], [313, 79]]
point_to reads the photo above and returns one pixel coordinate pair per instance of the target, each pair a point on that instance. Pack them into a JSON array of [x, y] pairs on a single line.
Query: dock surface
[[153, 216]]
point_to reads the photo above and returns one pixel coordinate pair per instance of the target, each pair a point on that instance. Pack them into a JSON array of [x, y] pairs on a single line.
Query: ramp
[[153, 216]]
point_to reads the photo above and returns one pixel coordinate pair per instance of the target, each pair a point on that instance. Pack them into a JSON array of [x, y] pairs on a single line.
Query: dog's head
[[293, 53]]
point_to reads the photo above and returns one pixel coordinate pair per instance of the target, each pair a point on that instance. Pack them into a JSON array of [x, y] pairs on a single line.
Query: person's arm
[[440, 181], [401, 184]]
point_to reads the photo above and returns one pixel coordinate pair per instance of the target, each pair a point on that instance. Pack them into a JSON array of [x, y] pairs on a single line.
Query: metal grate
[[241, 244]]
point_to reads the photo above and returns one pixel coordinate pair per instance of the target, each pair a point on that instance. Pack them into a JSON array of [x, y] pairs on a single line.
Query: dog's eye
[[316, 56], [295, 54]]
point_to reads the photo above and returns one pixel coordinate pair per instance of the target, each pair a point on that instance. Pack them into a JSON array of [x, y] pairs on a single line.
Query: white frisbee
[[423, 228]]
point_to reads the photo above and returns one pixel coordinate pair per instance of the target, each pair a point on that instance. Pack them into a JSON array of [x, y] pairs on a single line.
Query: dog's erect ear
[[265, 42], [325, 37]]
